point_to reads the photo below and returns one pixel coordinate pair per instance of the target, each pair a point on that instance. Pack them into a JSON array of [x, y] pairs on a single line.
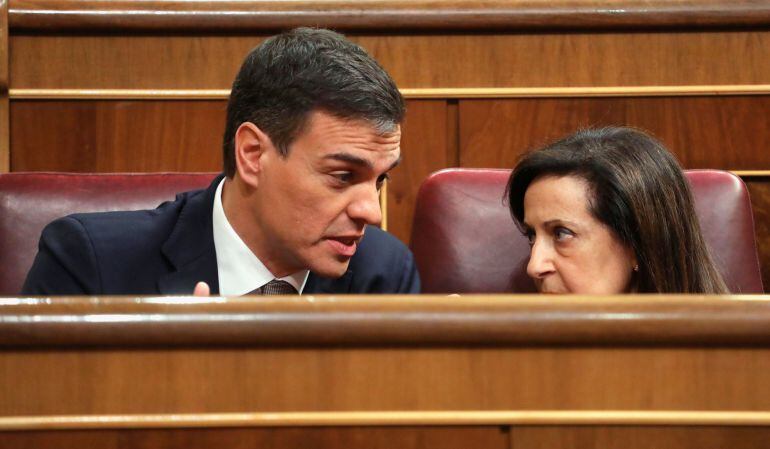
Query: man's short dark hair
[[303, 70]]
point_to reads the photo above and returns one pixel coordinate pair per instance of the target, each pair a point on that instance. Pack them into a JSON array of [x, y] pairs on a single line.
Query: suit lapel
[[190, 247]]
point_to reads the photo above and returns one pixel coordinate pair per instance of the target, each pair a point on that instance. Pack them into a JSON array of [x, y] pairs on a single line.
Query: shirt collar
[[240, 271]]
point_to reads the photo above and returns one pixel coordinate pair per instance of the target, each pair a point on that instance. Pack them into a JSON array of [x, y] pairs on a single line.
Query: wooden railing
[[357, 371], [462, 15]]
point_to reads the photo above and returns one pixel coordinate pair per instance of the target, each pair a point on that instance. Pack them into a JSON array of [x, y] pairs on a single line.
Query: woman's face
[[571, 251]]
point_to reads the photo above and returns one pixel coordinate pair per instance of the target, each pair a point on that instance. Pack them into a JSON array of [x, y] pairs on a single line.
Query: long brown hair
[[639, 191]]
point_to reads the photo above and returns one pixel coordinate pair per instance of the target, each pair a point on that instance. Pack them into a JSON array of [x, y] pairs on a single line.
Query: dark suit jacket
[[168, 249]]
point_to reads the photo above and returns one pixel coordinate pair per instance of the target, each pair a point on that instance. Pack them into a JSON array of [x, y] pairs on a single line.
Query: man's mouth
[[344, 245]]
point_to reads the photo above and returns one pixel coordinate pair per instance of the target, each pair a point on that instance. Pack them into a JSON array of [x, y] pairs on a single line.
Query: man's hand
[[202, 289]]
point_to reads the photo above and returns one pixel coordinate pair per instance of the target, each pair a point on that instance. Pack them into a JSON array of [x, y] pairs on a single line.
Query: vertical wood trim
[[511, 437], [384, 205], [453, 132], [5, 155]]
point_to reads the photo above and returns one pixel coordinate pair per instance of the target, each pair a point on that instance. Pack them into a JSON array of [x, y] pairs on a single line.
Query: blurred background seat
[[29, 201]]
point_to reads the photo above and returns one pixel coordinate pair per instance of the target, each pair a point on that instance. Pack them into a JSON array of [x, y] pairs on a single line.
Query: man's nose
[[540, 260], [366, 206]]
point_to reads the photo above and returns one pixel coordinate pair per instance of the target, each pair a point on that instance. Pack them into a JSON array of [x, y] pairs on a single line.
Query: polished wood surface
[[494, 133], [427, 93], [425, 148], [759, 189], [5, 154], [123, 136], [631, 437], [396, 320], [216, 380], [536, 437], [284, 438], [34, 15], [445, 61], [308, 354], [398, 418], [342, 389]]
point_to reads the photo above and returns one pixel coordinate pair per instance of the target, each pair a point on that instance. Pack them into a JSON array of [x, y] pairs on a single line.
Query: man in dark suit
[[313, 128]]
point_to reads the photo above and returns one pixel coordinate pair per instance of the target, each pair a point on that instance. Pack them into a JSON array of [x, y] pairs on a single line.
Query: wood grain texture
[[5, 155], [424, 149], [322, 438], [336, 322], [637, 437], [414, 61], [383, 14], [119, 136], [388, 419], [727, 133], [759, 189], [451, 95], [198, 380]]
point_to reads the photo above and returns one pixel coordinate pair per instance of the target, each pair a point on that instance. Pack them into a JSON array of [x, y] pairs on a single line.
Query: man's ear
[[250, 146]]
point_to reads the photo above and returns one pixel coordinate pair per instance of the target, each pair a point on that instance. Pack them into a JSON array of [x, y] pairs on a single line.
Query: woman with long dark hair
[[609, 211]]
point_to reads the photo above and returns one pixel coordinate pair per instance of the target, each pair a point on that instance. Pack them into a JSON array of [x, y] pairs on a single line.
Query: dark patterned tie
[[276, 287]]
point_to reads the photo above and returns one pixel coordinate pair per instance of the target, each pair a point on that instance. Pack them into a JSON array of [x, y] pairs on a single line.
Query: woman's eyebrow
[[559, 221]]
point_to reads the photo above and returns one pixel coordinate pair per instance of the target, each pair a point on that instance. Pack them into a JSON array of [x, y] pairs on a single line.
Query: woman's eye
[[563, 234], [530, 235]]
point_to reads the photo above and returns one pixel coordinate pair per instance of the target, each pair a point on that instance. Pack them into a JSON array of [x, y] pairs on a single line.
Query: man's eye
[[563, 234], [381, 180], [342, 177]]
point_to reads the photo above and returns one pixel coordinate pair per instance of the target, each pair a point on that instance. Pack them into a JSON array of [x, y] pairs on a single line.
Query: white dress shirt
[[239, 270]]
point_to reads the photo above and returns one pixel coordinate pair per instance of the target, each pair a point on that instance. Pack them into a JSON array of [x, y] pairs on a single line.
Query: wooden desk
[[385, 371]]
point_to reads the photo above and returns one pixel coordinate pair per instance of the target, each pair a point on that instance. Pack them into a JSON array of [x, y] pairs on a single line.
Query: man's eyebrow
[[349, 158], [361, 162]]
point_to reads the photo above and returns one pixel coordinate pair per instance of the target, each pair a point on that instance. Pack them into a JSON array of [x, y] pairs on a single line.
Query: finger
[[201, 289]]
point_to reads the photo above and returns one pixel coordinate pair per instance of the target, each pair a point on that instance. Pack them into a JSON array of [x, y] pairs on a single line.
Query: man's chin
[[329, 269]]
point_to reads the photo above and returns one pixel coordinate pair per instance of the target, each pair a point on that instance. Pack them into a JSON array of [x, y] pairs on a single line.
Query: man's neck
[[236, 204]]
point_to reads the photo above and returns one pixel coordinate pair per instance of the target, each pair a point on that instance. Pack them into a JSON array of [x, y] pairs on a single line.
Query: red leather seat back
[[465, 241], [724, 210], [29, 201]]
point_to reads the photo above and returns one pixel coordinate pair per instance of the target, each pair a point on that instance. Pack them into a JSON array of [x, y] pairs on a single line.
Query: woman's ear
[[250, 146], [634, 264]]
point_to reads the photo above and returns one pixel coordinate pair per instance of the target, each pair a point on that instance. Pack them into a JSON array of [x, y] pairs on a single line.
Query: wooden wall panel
[[197, 380], [117, 136], [759, 189], [727, 132], [5, 154], [277, 438], [661, 437], [415, 61], [425, 148]]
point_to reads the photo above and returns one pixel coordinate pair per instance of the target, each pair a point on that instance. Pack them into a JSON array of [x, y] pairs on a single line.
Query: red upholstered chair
[[464, 239], [29, 201]]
